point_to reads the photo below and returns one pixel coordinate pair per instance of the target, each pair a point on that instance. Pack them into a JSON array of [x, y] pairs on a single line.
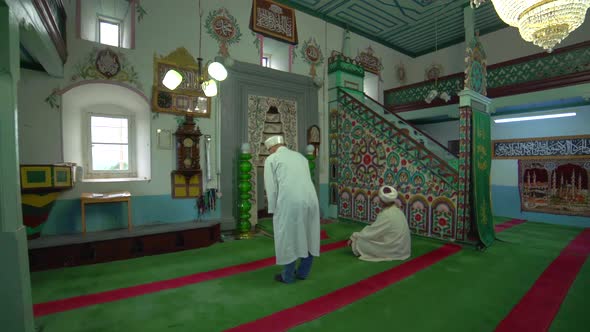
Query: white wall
[[504, 172], [163, 29], [279, 52], [372, 87], [39, 126]]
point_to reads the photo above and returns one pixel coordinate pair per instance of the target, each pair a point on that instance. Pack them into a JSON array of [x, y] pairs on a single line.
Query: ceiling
[[412, 27]]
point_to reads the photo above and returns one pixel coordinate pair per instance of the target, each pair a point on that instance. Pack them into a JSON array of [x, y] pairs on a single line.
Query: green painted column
[[16, 311], [244, 227]]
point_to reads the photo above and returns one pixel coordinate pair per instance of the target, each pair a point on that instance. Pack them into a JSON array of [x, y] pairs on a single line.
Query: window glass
[[109, 33], [109, 143]]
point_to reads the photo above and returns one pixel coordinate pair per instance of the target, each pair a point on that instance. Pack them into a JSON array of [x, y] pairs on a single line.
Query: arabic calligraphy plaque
[[274, 20], [559, 147]]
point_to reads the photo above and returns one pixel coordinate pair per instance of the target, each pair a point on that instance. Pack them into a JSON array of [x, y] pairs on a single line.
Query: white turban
[[387, 194], [274, 140]]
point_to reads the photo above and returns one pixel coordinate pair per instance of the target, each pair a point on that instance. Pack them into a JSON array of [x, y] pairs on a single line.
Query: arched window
[[106, 130]]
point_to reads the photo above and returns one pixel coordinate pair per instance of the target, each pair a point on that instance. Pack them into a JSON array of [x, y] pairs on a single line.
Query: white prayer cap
[[274, 140], [387, 194]]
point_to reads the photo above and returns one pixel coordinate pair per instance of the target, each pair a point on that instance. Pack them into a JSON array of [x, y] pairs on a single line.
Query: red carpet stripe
[[509, 224], [47, 308], [291, 317], [537, 309]]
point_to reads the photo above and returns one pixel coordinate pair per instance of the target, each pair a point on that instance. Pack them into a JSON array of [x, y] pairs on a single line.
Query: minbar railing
[[440, 163]]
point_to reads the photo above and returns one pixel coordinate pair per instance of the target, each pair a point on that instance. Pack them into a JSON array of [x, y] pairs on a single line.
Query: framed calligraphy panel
[[188, 98], [274, 20], [557, 147]]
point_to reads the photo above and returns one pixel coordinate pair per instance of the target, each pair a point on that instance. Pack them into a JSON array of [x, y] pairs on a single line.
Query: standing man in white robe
[[386, 239], [294, 202]]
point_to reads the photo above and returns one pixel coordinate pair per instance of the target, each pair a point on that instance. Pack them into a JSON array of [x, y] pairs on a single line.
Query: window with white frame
[[107, 22], [110, 150], [109, 32], [109, 139]]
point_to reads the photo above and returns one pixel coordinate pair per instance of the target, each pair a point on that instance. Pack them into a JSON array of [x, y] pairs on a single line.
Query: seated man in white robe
[[386, 239]]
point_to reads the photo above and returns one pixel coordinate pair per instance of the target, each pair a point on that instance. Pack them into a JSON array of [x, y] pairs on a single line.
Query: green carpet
[[469, 291], [573, 314], [49, 285], [222, 303]]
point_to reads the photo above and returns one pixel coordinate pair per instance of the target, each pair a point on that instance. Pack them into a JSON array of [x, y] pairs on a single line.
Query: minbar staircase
[[370, 147]]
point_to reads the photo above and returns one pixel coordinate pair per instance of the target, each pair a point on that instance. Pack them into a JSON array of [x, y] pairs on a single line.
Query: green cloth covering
[[481, 165]]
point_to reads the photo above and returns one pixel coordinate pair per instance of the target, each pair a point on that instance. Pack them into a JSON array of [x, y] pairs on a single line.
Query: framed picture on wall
[[164, 139], [188, 97]]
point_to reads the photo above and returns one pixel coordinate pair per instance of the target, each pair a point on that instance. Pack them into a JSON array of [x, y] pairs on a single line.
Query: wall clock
[[187, 147]]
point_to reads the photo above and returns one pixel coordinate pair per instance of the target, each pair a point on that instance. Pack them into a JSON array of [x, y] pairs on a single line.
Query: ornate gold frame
[[182, 61]]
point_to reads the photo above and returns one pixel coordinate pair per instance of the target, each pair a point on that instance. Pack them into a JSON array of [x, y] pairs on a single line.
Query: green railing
[[565, 66]]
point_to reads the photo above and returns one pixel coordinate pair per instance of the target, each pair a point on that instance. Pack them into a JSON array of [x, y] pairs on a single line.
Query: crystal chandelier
[[545, 23]]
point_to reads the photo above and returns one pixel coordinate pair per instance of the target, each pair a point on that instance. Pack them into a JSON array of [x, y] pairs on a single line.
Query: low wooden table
[[96, 198]]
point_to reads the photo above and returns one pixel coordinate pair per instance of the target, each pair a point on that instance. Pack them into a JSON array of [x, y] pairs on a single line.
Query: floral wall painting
[[400, 73], [433, 72], [100, 65], [258, 40], [141, 12], [106, 64], [312, 54], [224, 28]]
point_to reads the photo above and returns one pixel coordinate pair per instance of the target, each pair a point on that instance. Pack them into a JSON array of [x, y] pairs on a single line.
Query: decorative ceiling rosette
[[224, 28], [312, 54]]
